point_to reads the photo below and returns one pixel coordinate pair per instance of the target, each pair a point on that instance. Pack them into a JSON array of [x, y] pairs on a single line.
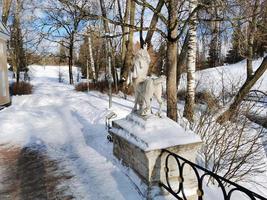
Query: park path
[[53, 145]]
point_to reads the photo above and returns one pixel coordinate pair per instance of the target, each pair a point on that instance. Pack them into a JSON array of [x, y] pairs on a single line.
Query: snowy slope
[[227, 77]]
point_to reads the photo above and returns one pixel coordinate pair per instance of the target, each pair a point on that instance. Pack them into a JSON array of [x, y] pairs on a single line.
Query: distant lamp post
[[109, 75]]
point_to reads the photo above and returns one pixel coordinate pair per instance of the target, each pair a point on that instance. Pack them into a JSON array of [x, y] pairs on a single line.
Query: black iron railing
[[227, 187]]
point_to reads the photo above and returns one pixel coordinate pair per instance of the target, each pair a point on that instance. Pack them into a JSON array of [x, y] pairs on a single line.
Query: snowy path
[[70, 125]]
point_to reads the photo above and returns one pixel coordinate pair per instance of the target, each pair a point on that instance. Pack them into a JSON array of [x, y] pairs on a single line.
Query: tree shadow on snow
[[36, 174]]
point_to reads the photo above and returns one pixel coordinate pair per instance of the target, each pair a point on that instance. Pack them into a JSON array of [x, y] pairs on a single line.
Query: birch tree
[[191, 65], [92, 62]]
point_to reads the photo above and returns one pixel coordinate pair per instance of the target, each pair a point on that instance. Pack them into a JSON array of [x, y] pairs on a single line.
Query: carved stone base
[[138, 143]]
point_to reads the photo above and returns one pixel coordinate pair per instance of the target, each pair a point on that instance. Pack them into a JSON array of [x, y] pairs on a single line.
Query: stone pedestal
[[138, 143]]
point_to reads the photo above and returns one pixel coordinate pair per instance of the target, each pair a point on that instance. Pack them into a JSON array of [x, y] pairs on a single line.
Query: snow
[[150, 132], [72, 126], [227, 77]]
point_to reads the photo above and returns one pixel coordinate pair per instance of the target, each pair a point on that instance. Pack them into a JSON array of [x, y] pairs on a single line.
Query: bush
[[21, 88], [207, 98], [81, 87], [101, 86], [232, 149], [203, 97]]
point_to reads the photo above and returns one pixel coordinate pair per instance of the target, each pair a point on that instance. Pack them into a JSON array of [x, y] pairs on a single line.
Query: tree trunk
[[71, 58], [153, 23], [250, 58], [125, 30], [129, 53], [251, 33], [92, 62], [191, 66], [215, 43], [109, 44], [5, 10], [172, 60], [17, 42], [87, 75], [181, 60], [142, 42], [243, 91]]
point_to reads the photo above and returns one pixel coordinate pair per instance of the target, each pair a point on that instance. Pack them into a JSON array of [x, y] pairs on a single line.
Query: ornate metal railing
[[227, 187]]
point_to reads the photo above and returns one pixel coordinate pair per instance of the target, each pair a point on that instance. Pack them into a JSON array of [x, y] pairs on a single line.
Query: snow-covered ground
[[228, 78], [71, 126]]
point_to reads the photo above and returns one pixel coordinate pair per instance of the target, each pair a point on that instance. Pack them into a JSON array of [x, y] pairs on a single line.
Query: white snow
[[227, 77], [71, 125], [153, 132]]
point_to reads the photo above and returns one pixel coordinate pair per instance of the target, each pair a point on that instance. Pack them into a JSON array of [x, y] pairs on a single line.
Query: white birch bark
[[87, 75], [92, 62], [191, 65]]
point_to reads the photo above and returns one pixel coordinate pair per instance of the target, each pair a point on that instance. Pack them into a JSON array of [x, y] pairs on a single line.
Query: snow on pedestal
[[138, 143]]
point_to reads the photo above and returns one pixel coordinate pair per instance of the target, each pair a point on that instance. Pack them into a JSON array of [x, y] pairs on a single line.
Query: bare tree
[[231, 149], [16, 42], [6, 5], [125, 29], [251, 35], [129, 45], [154, 22], [172, 59], [243, 91], [61, 21]]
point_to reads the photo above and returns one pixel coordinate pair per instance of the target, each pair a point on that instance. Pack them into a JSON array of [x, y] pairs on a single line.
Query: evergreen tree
[[234, 54]]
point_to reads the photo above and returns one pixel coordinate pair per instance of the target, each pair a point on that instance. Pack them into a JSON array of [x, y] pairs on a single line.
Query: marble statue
[[145, 88], [140, 65]]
